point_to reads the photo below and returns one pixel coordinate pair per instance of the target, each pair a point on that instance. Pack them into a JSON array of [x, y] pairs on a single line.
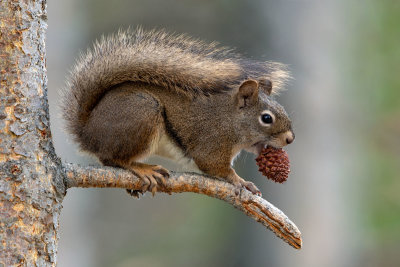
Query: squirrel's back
[[175, 62]]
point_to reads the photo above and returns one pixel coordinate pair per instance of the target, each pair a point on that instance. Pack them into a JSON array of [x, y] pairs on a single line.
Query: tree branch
[[252, 205]]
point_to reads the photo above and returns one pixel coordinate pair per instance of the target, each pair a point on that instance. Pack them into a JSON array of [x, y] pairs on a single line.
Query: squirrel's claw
[[133, 193], [160, 174]]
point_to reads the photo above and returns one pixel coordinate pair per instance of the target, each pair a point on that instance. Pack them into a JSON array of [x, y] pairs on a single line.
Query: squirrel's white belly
[[168, 149]]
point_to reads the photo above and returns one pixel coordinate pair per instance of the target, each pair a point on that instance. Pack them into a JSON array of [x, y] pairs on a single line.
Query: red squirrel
[[138, 93]]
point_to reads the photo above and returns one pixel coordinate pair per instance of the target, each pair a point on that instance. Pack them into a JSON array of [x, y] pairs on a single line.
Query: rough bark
[[33, 181], [31, 184]]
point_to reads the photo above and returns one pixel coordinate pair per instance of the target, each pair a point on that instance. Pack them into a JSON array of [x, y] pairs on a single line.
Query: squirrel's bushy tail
[[176, 62]]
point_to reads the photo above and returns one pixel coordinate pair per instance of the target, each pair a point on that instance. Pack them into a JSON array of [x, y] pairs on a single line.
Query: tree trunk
[[31, 187], [33, 181]]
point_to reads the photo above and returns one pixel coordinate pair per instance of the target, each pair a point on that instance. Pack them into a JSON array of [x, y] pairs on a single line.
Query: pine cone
[[274, 163]]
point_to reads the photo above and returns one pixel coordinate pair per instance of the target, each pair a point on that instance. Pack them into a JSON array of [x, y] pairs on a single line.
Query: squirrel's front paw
[[251, 187], [152, 176], [240, 183]]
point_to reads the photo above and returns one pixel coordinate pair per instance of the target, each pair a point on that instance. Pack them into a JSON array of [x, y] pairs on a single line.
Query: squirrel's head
[[264, 121]]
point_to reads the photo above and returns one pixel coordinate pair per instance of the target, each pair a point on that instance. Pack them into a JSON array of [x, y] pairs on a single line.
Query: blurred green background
[[344, 189]]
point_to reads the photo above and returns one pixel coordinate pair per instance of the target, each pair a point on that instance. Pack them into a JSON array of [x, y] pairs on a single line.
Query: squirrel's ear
[[247, 94], [266, 85]]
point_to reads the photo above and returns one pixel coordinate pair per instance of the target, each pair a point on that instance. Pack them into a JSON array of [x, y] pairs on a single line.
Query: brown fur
[[135, 87]]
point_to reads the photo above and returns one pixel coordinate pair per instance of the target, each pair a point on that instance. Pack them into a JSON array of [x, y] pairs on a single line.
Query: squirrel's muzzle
[[289, 137], [282, 139]]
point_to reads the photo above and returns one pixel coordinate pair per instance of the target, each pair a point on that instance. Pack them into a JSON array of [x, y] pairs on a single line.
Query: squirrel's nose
[[289, 137]]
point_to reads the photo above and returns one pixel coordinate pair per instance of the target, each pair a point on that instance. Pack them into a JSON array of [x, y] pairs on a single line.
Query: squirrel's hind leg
[[126, 126]]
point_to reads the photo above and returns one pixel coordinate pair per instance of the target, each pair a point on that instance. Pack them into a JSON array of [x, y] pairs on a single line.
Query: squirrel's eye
[[266, 118]]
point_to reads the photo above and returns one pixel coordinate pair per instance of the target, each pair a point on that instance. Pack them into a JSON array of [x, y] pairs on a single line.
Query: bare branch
[[252, 205]]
